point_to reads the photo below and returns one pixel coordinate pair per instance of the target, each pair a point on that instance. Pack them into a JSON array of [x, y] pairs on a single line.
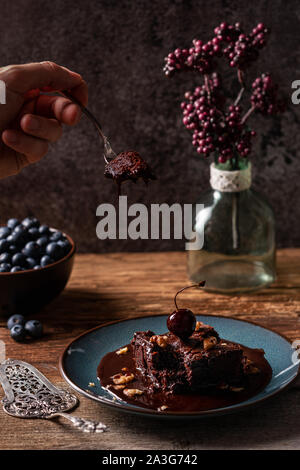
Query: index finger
[[26, 77]]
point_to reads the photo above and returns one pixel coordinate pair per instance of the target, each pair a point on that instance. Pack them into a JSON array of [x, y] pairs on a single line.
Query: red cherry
[[182, 323]]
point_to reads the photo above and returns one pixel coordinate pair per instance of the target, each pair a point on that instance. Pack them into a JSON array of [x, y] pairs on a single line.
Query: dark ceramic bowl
[[28, 291]]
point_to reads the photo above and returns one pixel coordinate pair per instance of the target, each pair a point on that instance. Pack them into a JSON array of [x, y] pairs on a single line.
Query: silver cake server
[[29, 394]]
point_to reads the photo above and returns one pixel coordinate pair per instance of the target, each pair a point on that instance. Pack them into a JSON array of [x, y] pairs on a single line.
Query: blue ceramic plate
[[79, 361]]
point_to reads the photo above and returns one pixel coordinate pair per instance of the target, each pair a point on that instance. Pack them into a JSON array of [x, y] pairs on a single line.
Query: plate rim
[[170, 414]]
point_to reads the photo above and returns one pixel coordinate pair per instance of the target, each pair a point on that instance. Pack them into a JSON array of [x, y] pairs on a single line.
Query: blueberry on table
[[12, 223], [37, 266], [15, 320], [30, 222], [4, 244], [34, 328], [45, 260], [5, 258], [32, 250], [18, 333], [4, 232], [19, 259], [5, 267], [54, 251]]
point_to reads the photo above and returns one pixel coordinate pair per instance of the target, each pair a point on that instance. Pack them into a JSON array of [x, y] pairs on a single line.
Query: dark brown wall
[[119, 46]]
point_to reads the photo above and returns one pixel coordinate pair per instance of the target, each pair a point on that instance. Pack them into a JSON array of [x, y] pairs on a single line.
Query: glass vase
[[238, 254]]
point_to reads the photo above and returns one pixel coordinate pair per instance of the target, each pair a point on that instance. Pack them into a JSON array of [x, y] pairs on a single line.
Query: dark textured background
[[118, 47]]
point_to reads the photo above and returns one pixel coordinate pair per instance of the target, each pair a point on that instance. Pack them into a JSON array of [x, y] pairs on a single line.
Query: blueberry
[[4, 232], [16, 268], [34, 233], [45, 260], [32, 250], [18, 333], [18, 229], [30, 222], [5, 258], [37, 266], [15, 320], [42, 242], [5, 267], [34, 328], [30, 263], [65, 244], [4, 244], [12, 223], [12, 249], [19, 259], [54, 251], [44, 230], [56, 236], [18, 238]]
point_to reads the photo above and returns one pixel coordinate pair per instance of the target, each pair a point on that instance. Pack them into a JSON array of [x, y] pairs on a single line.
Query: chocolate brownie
[[128, 166], [203, 361]]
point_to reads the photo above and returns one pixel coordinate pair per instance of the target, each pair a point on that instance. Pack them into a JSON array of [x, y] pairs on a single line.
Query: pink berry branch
[[218, 127]]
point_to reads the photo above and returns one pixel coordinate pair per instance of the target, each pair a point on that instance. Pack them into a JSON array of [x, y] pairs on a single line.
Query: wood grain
[[115, 286]]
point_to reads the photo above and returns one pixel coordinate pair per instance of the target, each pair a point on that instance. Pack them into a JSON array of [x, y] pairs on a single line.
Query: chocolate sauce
[[128, 166], [112, 364]]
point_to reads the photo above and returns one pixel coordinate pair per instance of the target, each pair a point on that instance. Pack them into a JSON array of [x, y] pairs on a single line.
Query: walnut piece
[[122, 350], [120, 379], [161, 341], [131, 392], [209, 343], [119, 387], [162, 408], [236, 389]]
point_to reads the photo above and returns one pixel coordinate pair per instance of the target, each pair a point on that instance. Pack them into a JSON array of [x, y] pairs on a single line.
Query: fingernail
[[33, 124], [11, 137]]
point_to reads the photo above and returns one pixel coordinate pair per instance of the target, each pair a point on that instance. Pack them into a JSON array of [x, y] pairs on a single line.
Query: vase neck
[[230, 181]]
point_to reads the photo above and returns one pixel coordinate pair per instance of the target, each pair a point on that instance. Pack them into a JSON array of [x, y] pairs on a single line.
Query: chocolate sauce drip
[[113, 363]]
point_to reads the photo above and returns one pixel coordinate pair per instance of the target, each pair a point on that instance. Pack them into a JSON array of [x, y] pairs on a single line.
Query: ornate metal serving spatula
[[29, 394]]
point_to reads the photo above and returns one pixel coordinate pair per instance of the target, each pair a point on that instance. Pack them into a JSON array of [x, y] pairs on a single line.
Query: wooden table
[[114, 286]]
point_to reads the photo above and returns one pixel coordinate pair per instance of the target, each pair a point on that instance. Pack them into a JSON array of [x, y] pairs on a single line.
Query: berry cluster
[[241, 49], [215, 128], [30, 245], [229, 41], [265, 96], [219, 128], [20, 328]]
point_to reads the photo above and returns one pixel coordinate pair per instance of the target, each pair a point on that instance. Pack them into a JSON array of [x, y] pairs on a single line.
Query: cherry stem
[[200, 284]]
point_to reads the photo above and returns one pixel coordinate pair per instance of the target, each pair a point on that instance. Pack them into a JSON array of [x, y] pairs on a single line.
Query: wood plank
[[117, 286]]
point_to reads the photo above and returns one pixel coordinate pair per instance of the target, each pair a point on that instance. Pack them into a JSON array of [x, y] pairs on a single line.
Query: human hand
[[29, 120]]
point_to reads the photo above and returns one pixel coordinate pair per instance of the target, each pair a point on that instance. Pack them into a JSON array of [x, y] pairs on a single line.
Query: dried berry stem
[[200, 284], [240, 76], [248, 114]]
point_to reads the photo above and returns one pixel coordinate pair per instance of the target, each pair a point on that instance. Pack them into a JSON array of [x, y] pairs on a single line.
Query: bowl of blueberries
[[35, 264]]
